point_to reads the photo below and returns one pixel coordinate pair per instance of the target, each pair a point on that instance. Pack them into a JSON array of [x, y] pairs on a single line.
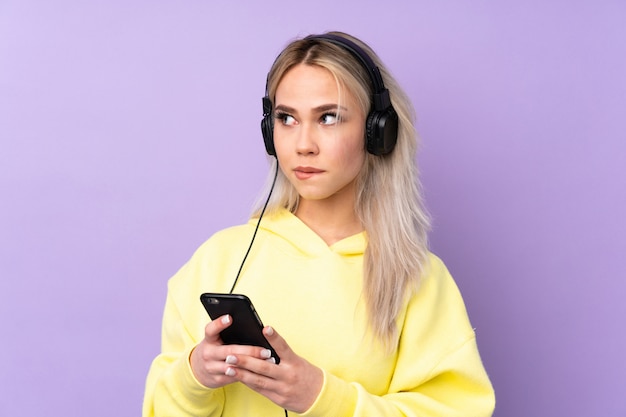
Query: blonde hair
[[389, 200]]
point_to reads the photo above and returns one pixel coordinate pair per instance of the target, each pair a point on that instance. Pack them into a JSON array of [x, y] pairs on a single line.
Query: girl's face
[[319, 139]]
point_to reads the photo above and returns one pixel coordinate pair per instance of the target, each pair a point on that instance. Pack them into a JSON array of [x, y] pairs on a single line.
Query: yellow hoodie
[[311, 294]]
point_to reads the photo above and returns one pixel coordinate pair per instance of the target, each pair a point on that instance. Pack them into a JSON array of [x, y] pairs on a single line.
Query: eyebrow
[[318, 109]]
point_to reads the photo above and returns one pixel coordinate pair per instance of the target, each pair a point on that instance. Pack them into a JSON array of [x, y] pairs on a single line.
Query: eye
[[285, 118], [329, 118]]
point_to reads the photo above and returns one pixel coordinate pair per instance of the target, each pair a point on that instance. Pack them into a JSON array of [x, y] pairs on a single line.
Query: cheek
[[352, 151], [351, 158], [280, 145]]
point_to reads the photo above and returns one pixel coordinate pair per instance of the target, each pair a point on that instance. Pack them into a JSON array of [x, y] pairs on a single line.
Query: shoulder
[[435, 276], [225, 241], [229, 234], [236, 237], [214, 260], [439, 297], [225, 249]]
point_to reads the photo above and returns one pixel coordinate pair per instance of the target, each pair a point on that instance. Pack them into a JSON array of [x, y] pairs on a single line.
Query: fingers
[[294, 384], [252, 363], [208, 365], [254, 372], [213, 363], [278, 343], [213, 329]]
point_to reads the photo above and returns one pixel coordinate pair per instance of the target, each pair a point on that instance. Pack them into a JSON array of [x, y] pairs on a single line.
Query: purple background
[[130, 133]]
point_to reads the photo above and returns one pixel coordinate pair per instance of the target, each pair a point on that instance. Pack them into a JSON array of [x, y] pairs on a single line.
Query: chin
[[312, 196]]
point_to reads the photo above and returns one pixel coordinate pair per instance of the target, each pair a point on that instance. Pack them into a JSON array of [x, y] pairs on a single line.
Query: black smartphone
[[246, 328]]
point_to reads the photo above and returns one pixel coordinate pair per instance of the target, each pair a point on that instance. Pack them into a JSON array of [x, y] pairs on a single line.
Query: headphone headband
[[380, 99]]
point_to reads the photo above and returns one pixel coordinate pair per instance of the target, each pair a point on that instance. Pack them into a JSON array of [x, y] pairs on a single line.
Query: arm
[[436, 370], [188, 377], [456, 386], [171, 387]]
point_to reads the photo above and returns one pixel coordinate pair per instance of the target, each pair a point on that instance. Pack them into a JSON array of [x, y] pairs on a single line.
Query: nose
[[306, 142]]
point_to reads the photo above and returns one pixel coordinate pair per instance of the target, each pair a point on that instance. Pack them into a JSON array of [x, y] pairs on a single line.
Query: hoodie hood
[[296, 234]]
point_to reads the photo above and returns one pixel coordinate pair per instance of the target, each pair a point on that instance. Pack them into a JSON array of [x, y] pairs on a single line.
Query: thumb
[[278, 343], [213, 329]]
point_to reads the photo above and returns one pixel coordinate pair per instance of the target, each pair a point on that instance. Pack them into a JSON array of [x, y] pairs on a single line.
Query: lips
[[303, 173]]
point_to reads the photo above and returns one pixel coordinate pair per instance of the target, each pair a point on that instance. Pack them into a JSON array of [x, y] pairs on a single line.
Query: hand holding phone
[[246, 328]]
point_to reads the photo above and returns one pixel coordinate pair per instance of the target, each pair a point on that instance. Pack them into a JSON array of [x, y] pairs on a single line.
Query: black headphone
[[381, 126]]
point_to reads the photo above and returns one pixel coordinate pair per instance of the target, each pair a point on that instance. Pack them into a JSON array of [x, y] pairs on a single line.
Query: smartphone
[[246, 328]]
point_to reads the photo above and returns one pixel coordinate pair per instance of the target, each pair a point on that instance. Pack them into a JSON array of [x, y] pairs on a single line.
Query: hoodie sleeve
[[171, 388], [453, 389], [438, 370]]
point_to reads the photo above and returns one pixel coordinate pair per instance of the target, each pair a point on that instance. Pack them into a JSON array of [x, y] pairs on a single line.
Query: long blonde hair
[[389, 199]]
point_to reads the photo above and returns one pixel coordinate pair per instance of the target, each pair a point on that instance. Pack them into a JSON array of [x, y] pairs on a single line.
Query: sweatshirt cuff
[[189, 391], [337, 398]]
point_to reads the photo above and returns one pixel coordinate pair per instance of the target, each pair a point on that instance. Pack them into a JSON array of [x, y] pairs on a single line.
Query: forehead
[[311, 84], [302, 75]]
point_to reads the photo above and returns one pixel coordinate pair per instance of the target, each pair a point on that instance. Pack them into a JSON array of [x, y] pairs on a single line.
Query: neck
[[331, 222]]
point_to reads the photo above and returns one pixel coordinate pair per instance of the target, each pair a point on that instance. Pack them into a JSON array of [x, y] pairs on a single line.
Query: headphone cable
[[256, 229], [258, 223]]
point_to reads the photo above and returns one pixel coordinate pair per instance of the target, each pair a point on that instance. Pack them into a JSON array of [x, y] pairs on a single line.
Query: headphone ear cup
[[267, 129], [381, 130], [267, 126]]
